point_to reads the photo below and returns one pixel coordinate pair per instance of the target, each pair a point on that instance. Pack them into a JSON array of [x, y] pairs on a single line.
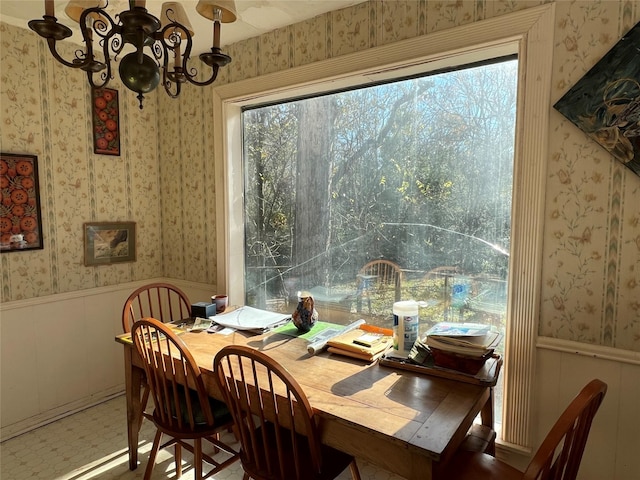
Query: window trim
[[529, 34]]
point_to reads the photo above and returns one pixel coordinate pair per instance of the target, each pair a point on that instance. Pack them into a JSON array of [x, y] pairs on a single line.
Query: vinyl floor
[[92, 444]]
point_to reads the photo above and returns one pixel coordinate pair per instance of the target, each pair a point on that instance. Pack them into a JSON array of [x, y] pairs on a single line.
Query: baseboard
[[10, 431]]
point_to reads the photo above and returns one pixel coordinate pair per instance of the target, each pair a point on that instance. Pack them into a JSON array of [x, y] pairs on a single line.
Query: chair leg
[[355, 473], [245, 476], [152, 455], [143, 403], [197, 458], [178, 458]]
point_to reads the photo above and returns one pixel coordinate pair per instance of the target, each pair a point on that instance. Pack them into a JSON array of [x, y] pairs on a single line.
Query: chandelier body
[[156, 43]]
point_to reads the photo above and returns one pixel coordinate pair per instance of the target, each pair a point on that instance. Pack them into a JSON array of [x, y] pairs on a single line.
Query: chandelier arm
[[104, 77], [215, 59], [190, 76], [52, 31], [168, 84], [172, 37], [159, 50], [76, 63]]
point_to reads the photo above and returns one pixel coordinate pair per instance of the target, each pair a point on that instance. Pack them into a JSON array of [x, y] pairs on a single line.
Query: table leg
[[486, 414], [133, 383]]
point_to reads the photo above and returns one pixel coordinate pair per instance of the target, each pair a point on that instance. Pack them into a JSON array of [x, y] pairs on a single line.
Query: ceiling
[[254, 16]]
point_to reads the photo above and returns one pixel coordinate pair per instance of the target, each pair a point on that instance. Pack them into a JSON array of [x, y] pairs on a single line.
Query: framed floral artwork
[[605, 102], [106, 124], [20, 220], [109, 242]]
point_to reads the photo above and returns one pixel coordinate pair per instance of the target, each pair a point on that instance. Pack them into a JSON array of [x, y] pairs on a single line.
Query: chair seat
[[467, 465], [334, 461], [219, 409]]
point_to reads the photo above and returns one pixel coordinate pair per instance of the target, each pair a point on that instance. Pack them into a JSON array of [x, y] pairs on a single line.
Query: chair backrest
[[273, 417], [560, 454], [169, 366], [437, 283], [387, 273], [162, 301]]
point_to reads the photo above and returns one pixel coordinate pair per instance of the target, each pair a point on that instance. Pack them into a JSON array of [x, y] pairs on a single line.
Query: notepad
[[351, 344], [368, 339]]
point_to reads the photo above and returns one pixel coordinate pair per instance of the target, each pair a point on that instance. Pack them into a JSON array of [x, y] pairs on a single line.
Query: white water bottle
[[406, 321]]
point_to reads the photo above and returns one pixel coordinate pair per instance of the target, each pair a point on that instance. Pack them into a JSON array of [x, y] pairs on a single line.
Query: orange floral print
[[105, 122], [19, 212]]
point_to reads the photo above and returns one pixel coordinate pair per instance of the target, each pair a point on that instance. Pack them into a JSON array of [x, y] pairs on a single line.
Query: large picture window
[[398, 204], [412, 177]]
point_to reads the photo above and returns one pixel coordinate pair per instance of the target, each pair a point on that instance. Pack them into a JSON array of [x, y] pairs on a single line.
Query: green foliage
[[420, 172]]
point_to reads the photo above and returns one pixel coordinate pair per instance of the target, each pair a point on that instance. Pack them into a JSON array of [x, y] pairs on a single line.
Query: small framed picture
[[20, 220], [106, 243], [106, 123]]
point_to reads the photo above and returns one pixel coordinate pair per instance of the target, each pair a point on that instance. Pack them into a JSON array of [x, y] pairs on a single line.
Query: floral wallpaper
[[164, 179], [46, 111]]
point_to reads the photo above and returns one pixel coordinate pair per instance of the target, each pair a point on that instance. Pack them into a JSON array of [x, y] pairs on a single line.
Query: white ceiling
[[254, 16]]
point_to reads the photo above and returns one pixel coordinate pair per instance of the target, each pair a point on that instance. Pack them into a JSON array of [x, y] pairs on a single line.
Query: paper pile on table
[[470, 339]]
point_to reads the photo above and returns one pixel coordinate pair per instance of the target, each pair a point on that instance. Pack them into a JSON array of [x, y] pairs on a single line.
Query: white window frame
[[529, 34]]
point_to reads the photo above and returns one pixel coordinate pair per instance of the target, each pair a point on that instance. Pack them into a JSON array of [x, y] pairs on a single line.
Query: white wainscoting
[[58, 354], [562, 369]]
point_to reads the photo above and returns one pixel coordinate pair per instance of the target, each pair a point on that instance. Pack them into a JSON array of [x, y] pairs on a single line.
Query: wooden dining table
[[403, 421]]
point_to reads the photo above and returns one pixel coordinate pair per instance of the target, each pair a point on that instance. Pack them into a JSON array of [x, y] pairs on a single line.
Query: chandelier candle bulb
[[217, 18], [406, 321], [177, 60]]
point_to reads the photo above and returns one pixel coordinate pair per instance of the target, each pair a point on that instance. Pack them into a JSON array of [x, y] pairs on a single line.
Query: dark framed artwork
[[20, 219], [109, 242], [605, 103], [106, 122]]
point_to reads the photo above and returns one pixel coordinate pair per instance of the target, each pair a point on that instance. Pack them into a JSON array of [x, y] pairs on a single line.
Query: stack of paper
[[249, 318], [363, 344], [469, 339]]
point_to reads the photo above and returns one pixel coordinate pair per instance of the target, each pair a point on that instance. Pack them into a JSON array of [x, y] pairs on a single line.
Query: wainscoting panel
[[58, 353], [563, 368]]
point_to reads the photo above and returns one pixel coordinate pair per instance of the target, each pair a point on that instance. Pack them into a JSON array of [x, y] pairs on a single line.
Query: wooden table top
[[401, 420]]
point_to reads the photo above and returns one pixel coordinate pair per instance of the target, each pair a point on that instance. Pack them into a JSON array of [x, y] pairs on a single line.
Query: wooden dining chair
[[161, 301], [379, 278], [557, 458], [276, 425], [182, 413]]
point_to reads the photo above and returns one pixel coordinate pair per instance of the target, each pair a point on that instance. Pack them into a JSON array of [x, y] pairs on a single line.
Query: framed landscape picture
[[106, 243], [20, 219]]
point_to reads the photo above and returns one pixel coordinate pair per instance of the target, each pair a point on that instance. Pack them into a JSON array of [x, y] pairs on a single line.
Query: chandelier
[[160, 45]]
